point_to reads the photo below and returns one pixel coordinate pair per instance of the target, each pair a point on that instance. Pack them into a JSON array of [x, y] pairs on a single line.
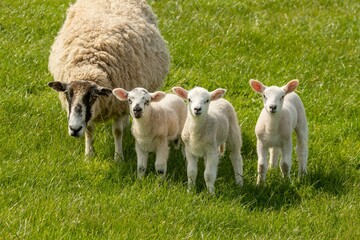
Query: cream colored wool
[[114, 43]]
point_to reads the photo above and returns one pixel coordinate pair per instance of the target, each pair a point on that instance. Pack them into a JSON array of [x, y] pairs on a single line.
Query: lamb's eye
[[264, 97], [129, 100], [207, 101], [189, 100], [147, 102], [282, 98]]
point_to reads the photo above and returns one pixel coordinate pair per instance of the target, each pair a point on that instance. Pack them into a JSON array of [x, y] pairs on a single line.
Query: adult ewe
[[105, 44], [282, 113]]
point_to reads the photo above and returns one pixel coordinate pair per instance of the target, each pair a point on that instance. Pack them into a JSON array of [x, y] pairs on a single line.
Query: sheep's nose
[[272, 108], [74, 131], [137, 111], [197, 110], [137, 108]]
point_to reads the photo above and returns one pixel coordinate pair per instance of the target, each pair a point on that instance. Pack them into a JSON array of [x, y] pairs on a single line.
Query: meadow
[[50, 191]]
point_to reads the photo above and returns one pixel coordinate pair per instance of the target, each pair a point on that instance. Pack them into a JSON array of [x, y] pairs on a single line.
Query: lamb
[[211, 122], [103, 45], [158, 118], [282, 113]]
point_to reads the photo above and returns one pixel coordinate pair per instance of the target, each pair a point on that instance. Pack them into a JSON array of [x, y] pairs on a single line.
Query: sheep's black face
[[80, 96]]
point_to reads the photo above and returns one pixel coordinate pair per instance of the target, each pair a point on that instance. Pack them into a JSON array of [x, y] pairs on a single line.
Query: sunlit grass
[[50, 191]]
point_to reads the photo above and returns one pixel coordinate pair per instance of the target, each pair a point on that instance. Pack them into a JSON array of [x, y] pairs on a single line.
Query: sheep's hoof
[[119, 158], [141, 172], [161, 171], [89, 156], [211, 190]]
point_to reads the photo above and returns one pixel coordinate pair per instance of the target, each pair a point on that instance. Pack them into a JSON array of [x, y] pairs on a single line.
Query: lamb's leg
[[89, 138], [212, 161], [192, 169], [142, 158], [262, 162], [118, 132], [274, 157], [162, 155], [302, 151], [237, 163], [285, 162]]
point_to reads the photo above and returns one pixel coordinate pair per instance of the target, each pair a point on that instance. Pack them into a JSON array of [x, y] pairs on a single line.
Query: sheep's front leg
[[262, 162], [285, 162], [274, 157], [89, 138], [162, 155], [118, 132], [142, 158], [192, 169], [212, 160]]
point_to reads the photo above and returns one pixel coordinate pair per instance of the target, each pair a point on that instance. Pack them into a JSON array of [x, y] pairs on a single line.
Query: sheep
[[158, 118], [211, 122], [282, 113], [103, 45]]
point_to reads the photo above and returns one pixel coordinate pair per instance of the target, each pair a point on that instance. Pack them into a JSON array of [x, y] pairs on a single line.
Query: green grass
[[50, 191]]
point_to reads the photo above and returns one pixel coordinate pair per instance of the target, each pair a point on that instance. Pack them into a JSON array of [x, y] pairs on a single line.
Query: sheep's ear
[[291, 86], [58, 86], [103, 91], [157, 96], [180, 92], [218, 93], [257, 86], [121, 94]]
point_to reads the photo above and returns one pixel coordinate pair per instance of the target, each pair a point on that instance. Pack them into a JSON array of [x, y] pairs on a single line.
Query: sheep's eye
[[264, 97], [189, 100], [282, 98], [207, 101], [129, 100], [147, 102]]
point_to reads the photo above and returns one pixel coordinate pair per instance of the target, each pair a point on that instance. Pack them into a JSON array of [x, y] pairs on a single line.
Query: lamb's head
[[138, 99], [273, 96], [81, 98], [198, 98]]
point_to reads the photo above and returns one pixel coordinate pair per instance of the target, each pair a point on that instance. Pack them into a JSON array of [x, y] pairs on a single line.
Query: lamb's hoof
[[161, 171]]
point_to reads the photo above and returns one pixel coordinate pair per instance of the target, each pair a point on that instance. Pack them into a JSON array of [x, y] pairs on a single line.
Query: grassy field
[[50, 191]]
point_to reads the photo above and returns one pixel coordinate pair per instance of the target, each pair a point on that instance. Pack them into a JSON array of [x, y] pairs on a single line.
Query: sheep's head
[[198, 98], [273, 97], [138, 99], [81, 97]]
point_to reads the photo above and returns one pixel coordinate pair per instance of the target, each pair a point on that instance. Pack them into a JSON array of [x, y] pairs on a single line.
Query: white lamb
[[210, 123], [282, 113], [158, 118], [103, 45]]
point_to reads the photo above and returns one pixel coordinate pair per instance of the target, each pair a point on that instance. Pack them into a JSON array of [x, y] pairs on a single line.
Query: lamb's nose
[[272, 108], [197, 110], [137, 108]]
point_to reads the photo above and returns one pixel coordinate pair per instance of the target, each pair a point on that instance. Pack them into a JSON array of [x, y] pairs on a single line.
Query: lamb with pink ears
[[282, 113], [210, 123], [158, 118]]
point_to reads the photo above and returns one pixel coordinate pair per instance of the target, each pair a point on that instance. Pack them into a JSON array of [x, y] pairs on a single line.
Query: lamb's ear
[[121, 94], [291, 86], [103, 91], [257, 86], [157, 96], [218, 93], [58, 86], [180, 92]]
